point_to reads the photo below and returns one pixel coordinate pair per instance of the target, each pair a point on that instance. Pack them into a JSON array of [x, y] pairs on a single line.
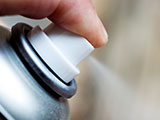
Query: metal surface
[[21, 96]]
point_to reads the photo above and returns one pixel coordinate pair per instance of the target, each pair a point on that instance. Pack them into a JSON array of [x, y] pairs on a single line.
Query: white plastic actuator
[[60, 49]]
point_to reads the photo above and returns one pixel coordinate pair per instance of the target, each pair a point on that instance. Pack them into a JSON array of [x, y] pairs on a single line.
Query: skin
[[78, 16]]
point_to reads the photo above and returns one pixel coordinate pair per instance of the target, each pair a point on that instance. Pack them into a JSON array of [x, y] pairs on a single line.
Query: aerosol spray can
[[37, 71]]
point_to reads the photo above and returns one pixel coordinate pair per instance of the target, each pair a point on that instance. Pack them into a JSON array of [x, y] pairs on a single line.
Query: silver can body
[[21, 96]]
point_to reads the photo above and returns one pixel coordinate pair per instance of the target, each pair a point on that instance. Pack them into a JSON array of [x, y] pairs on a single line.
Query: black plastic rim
[[35, 64]]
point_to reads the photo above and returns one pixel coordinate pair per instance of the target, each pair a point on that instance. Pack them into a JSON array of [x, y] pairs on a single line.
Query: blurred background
[[120, 81]]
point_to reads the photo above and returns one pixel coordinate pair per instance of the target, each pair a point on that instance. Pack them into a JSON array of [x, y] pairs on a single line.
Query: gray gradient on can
[[21, 96]]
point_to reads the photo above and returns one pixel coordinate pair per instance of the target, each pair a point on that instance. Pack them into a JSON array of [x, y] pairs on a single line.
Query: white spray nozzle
[[61, 50]]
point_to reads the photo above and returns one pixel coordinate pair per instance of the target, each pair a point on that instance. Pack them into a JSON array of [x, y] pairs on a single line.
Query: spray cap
[[60, 49]]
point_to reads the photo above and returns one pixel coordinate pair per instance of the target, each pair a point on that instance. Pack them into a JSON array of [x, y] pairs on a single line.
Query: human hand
[[78, 16]]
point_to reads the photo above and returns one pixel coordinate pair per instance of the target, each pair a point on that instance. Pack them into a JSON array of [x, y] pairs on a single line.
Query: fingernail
[[105, 35]]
